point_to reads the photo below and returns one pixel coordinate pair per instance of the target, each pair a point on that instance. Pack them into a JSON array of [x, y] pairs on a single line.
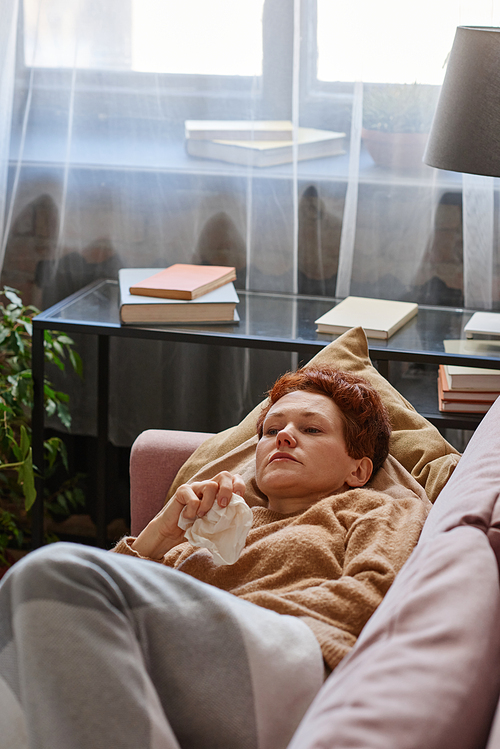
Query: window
[[397, 42], [225, 37]]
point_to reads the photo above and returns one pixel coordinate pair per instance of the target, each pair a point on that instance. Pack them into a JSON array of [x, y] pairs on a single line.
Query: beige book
[[311, 144], [379, 318]]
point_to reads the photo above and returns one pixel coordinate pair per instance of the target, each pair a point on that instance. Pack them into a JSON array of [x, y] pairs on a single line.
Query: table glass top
[[280, 321]]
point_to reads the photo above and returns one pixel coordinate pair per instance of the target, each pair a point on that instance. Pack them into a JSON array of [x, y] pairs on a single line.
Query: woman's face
[[302, 456]]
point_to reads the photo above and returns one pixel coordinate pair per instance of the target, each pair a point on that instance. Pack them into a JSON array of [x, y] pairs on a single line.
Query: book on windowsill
[[472, 401], [380, 318], [483, 324], [184, 281], [462, 377], [238, 129], [311, 144], [218, 306]]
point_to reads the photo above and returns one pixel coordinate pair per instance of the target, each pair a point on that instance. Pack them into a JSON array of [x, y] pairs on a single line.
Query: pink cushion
[[155, 458], [471, 494], [424, 673]]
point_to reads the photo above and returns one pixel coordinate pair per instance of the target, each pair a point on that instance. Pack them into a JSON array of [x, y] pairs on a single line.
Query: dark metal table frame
[[278, 322]]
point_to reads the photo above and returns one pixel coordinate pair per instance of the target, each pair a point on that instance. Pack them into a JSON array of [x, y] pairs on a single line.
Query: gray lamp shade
[[465, 133]]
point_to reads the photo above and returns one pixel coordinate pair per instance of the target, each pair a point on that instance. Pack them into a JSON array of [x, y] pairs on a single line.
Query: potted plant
[[17, 472], [396, 122]]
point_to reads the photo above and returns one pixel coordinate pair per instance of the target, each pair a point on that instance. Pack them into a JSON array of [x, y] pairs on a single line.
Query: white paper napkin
[[223, 530]]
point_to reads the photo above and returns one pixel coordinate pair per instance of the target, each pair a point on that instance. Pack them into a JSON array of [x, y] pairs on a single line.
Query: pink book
[[184, 281]]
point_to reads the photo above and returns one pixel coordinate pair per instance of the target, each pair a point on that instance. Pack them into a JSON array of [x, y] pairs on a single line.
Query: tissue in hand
[[223, 530]]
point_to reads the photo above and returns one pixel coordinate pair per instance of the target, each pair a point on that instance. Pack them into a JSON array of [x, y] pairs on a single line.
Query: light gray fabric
[[100, 650]]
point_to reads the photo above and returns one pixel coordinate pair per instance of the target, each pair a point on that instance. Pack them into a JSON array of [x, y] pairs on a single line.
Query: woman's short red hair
[[366, 422]]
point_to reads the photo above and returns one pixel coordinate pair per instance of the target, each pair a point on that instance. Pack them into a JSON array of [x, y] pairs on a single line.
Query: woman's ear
[[360, 475]]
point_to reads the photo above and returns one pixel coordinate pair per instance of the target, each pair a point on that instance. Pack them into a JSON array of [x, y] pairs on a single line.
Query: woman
[[100, 649]]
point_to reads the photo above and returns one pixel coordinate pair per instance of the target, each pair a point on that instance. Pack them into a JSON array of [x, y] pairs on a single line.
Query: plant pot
[[395, 150]]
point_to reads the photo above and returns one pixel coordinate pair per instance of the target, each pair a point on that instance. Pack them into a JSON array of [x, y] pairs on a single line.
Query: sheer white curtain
[[8, 33], [96, 94]]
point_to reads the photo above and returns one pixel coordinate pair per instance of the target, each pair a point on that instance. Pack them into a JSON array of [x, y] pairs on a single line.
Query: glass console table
[[281, 322]]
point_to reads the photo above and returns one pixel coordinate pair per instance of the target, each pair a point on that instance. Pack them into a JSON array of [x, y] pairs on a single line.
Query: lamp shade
[[465, 133]]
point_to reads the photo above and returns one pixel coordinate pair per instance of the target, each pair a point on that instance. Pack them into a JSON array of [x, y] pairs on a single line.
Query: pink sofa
[[155, 458], [425, 672]]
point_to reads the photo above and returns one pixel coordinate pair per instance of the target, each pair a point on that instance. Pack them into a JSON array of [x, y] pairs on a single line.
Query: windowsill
[[169, 156]]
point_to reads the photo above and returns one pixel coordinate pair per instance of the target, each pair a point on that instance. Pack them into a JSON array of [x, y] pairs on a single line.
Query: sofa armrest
[[155, 458]]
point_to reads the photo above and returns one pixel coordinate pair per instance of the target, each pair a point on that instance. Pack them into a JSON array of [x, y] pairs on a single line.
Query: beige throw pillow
[[415, 443]]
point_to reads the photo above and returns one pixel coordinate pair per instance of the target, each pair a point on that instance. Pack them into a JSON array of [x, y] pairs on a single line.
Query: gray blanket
[[103, 650]]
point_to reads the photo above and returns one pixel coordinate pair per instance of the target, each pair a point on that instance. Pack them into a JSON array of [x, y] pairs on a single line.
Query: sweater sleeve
[[124, 546], [378, 540]]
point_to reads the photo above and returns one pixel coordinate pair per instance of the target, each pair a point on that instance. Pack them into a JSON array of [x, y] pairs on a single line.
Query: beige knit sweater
[[330, 565]]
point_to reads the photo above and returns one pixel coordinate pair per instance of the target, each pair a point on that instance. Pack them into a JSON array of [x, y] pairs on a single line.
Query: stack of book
[[181, 293], [468, 389], [259, 143]]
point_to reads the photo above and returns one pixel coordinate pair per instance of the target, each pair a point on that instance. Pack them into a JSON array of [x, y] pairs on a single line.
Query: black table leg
[[37, 426], [102, 435]]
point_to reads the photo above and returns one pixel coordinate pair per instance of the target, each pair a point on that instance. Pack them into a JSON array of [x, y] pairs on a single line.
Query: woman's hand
[[163, 533]]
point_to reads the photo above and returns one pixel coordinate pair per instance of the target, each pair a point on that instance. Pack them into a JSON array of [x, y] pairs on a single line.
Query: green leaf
[[48, 390], [76, 361], [61, 500], [27, 480], [64, 454], [78, 497], [19, 341], [25, 442], [11, 295], [65, 340], [64, 415], [57, 347], [51, 357], [50, 407], [52, 447], [15, 448], [63, 397]]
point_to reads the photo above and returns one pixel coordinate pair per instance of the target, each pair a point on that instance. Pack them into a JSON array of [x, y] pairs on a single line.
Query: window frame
[[173, 98], [268, 93]]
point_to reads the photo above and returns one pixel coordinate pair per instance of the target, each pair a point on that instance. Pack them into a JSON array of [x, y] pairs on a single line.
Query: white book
[[239, 129], [379, 318], [483, 323], [464, 406], [463, 377], [218, 306]]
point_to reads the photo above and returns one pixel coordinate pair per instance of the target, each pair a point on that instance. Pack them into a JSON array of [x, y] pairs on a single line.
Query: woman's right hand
[[163, 533]]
